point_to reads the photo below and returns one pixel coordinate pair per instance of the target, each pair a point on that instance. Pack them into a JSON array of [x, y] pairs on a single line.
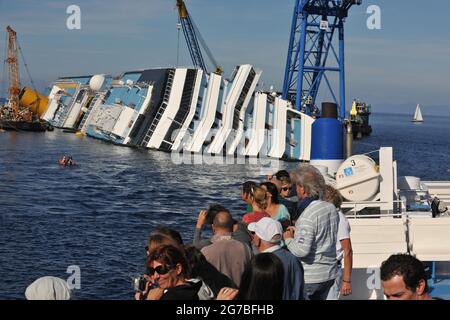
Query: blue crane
[[194, 39], [315, 24]]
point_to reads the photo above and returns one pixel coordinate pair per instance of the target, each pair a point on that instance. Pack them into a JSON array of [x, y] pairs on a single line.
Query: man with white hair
[[267, 237], [313, 239]]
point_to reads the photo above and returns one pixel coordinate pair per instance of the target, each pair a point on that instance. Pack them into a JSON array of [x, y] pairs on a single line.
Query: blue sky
[[405, 63]]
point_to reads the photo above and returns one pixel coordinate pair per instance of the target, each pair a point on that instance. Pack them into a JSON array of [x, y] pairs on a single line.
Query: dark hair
[[213, 210], [406, 266], [169, 232], [272, 189], [263, 278], [285, 180], [170, 255], [282, 174], [248, 187], [201, 268], [157, 239]]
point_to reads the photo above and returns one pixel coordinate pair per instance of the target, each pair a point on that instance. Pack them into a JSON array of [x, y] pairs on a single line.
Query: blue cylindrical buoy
[[327, 137]]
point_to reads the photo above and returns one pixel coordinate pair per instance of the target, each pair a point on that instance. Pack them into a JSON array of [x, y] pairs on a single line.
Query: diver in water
[[62, 161], [67, 161]]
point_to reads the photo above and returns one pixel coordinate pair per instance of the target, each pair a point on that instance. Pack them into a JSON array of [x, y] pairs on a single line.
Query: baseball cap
[[266, 228]]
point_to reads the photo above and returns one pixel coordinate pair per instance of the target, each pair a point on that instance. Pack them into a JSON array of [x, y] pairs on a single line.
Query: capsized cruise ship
[[182, 110]]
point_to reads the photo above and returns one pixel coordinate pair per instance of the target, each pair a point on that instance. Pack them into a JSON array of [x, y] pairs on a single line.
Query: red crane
[[12, 59], [17, 115]]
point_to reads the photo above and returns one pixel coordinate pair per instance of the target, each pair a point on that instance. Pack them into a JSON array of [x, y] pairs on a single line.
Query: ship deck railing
[[355, 208], [375, 236]]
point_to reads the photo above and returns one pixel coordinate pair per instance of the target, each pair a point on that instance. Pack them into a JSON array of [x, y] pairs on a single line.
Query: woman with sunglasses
[[285, 188], [168, 269]]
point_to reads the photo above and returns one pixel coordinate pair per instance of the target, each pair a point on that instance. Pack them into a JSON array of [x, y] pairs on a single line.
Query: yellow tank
[[33, 100]]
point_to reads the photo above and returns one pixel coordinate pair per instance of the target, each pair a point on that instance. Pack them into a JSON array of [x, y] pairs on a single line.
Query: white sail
[[418, 115]]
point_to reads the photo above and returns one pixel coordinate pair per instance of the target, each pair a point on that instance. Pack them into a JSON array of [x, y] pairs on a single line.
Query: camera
[[139, 283]]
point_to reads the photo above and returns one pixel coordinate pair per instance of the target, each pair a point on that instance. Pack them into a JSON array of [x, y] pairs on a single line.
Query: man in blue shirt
[[267, 235]]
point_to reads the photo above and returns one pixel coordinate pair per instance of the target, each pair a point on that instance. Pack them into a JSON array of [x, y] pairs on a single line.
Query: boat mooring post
[[349, 138]]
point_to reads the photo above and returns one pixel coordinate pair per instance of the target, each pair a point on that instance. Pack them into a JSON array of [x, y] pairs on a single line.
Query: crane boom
[[16, 111], [194, 40], [13, 70]]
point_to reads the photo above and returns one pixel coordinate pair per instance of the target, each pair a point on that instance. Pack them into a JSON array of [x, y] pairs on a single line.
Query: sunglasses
[[162, 270], [286, 188]]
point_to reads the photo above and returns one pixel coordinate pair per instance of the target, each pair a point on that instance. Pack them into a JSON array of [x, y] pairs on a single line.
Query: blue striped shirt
[[315, 241]]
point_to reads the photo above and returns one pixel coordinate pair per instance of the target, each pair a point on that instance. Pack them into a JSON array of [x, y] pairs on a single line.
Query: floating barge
[[35, 126]]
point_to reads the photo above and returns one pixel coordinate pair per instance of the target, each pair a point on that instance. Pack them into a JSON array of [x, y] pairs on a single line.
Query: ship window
[[80, 96]]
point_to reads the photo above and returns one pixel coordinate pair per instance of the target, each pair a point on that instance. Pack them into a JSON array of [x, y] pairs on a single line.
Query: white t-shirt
[[343, 233]]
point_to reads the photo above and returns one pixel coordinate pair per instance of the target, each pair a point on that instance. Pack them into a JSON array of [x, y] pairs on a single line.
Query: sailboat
[[417, 115]]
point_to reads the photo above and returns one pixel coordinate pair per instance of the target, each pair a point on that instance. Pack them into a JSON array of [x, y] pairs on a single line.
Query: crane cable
[[4, 66], [31, 79], [206, 48], [184, 14], [178, 42]]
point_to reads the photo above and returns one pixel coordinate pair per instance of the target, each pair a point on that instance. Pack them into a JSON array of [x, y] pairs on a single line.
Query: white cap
[[48, 288], [266, 228]]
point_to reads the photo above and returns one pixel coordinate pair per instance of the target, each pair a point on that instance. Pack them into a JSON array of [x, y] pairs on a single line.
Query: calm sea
[[98, 215]]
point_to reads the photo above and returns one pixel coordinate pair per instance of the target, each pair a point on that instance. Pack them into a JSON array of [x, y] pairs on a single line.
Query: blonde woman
[[259, 204]]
